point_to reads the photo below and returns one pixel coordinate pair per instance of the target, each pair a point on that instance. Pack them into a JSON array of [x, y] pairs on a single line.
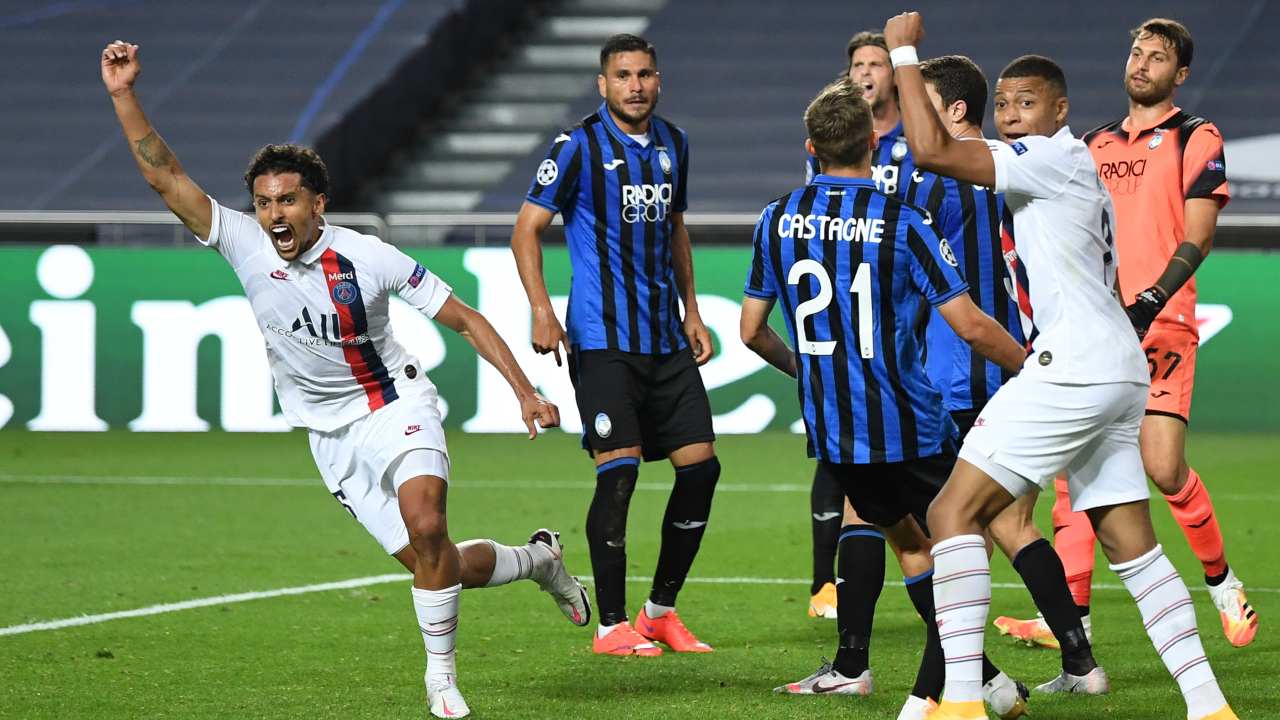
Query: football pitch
[[104, 523]]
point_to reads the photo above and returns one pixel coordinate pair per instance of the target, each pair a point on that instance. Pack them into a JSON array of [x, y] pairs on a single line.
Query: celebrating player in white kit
[[319, 294], [1079, 400]]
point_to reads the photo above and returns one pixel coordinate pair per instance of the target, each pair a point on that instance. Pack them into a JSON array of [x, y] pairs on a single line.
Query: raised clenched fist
[[120, 66]]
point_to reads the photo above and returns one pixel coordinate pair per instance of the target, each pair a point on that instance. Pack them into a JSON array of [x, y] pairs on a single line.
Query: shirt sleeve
[[1034, 166], [233, 234], [681, 201], [412, 281], [555, 183], [1204, 166], [934, 267], [760, 281]]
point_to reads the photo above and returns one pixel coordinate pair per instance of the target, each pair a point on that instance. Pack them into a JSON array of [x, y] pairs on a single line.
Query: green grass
[[69, 549]]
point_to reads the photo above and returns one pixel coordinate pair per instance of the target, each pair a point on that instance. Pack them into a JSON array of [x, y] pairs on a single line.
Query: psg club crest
[[604, 426], [665, 161], [899, 150], [1155, 141], [345, 293]]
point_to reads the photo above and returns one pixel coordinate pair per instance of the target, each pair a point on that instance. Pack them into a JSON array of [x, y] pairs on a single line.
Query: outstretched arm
[[526, 245], [983, 333], [932, 147], [162, 171], [471, 325]]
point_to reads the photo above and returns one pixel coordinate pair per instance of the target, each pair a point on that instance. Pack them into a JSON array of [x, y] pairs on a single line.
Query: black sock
[[1210, 580], [932, 672], [1083, 610], [682, 528], [1042, 573], [826, 507], [607, 536], [861, 575]]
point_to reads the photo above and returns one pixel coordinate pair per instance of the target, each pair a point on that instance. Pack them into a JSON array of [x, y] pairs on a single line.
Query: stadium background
[[432, 117]]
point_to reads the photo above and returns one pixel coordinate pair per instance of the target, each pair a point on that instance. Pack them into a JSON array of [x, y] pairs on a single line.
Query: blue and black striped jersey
[[969, 217], [852, 268], [617, 197], [891, 164]]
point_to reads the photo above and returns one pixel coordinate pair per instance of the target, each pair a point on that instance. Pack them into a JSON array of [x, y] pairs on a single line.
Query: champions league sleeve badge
[[899, 150], [665, 161]]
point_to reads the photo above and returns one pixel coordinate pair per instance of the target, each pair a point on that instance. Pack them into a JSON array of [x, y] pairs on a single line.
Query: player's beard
[[630, 116], [1152, 94]]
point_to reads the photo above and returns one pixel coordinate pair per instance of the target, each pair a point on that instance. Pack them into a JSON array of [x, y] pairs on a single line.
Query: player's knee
[[1168, 474], [695, 487], [607, 516], [428, 531]]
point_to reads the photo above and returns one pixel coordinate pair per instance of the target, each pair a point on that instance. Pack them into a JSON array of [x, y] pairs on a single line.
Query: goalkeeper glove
[[1146, 306]]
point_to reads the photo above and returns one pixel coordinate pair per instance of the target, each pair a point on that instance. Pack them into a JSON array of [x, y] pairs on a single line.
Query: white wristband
[[905, 55]]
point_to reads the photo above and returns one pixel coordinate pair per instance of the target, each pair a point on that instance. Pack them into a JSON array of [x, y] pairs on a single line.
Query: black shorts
[[884, 493], [965, 420], [656, 402]]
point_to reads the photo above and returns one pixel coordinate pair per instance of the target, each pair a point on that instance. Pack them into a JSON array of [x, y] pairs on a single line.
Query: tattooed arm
[[162, 171]]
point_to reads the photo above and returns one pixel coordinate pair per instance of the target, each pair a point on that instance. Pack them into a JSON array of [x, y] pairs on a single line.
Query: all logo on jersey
[[316, 329], [646, 203], [944, 249], [419, 272], [548, 171], [899, 149], [604, 426], [665, 161], [345, 292]]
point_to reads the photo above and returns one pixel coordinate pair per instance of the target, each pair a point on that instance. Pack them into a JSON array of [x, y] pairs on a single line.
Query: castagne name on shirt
[[809, 227]]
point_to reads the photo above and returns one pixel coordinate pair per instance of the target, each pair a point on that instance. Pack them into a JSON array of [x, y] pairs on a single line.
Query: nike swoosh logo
[[819, 688], [689, 524], [823, 517], [613, 164], [412, 431]]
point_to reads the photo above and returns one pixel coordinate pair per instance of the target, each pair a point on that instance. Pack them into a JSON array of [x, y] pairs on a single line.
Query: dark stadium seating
[[219, 80], [738, 76]]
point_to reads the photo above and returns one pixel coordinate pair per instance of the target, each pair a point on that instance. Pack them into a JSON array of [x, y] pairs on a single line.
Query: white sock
[[1170, 619], [913, 709], [962, 596], [515, 563], [603, 630], [437, 612], [656, 611]]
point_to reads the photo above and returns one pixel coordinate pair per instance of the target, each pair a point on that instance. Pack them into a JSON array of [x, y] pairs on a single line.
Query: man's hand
[[120, 66], [1146, 306], [548, 333], [698, 336], [538, 412], [904, 29]]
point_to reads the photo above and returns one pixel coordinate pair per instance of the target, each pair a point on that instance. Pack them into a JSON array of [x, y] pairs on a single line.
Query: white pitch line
[[462, 484], [402, 577]]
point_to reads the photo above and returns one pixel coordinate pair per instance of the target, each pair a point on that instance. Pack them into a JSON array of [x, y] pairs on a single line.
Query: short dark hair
[[1173, 33], [1037, 66], [864, 39], [956, 77], [839, 125], [626, 42], [289, 158]]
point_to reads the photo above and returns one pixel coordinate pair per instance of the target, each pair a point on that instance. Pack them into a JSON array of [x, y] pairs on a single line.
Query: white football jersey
[[324, 318], [1062, 229]]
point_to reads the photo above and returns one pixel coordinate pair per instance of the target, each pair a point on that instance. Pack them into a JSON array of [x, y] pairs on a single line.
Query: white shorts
[[365, 462], [1031, 431]]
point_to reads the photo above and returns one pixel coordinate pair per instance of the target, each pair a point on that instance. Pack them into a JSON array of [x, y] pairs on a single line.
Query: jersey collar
[[1135, 133], [624, 138], [313, 253], [821, 179]]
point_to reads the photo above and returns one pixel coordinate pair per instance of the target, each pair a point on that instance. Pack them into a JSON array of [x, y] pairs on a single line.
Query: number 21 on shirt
[[861, 289]]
